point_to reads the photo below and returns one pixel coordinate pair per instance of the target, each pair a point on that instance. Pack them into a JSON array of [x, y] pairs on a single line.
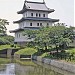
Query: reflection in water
[[8, 69], [39, 69], [31, 68]]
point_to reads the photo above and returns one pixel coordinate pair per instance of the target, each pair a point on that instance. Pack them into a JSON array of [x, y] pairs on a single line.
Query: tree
[[3, 28], [58, 35], [4, 39]]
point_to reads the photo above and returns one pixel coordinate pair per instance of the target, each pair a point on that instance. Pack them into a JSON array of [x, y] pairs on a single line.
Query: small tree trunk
[[57, 51]]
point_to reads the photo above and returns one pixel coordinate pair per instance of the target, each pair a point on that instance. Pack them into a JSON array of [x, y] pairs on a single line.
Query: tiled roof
[[22, 29], [36, 19], [40, 6], [16, 30]]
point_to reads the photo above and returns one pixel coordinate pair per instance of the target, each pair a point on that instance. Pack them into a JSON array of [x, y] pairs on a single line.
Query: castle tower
[[35, 15]]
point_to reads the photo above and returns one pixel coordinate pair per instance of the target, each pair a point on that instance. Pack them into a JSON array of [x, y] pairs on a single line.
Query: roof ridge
[[34, 2]]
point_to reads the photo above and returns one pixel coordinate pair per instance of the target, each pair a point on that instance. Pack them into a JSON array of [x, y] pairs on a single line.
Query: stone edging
[[61, 65]]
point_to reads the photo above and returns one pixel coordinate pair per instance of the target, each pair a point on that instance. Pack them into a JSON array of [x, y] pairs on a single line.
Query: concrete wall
[[62, 65], [34, 24]]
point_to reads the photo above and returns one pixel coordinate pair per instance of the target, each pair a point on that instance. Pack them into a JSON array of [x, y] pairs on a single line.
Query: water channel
[[31, 68]]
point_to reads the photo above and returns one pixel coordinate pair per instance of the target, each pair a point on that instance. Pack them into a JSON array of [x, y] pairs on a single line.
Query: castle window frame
[[37, 24], [30, 24], [43, 15], [32, 14], [36, 14], [40, 24], [39, 15]]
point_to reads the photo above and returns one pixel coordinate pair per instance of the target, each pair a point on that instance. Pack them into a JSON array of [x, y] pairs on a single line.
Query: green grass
[[71, 51], [4, 61], [7, 46], [26, 51]]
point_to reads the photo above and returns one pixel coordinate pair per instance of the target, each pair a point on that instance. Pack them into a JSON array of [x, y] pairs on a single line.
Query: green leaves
[[3, 28], [26, 51], [6, 39], [58, 34]]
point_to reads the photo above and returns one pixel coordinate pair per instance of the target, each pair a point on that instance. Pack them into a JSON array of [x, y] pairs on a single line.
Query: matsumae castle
[[35, 15]]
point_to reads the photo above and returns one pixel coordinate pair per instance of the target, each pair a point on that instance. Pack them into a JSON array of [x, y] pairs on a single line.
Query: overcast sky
[[64, 10]]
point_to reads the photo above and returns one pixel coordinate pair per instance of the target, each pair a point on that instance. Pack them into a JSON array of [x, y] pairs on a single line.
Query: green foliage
[[4, 47], [26, 51], [71, 51], [9, 38], [7, 46], [57, 35], [6, 39], [46, 55], [3, 28]]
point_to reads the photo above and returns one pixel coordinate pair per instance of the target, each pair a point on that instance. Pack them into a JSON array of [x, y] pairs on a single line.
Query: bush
[[6, 40], [26, 51], [71, 51]]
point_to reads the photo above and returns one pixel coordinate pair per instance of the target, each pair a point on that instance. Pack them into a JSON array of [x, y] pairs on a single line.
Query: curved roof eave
[[36, 19], [24, 10]]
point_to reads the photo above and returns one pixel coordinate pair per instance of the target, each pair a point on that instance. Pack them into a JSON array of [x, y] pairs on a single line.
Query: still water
[[7, 69], [31, 68]]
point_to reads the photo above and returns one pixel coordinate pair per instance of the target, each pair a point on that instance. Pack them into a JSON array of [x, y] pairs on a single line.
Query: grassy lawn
[[26, 51], [6, 46], [4, 61]]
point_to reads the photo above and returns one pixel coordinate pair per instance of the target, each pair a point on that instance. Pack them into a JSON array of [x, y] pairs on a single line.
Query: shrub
[[26, 51]]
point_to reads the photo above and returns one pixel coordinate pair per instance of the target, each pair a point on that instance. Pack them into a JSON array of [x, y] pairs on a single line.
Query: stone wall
[[9, 51], [17, 56], [3, 55], [62, 65]]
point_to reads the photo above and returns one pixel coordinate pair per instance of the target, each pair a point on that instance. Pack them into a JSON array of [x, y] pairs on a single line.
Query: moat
[[31, 68]]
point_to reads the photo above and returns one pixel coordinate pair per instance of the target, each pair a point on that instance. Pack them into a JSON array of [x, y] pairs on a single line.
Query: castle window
[[47, 24], [26, 14], [31, 14], [30, 24], [19, 35], [39, 15], [23, 24], [36, 14], [43, 15], [40, 24], [37, 24]]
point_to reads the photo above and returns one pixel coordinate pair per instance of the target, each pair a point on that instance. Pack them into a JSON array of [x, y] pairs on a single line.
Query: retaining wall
[[17, 56], [62, 65]]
